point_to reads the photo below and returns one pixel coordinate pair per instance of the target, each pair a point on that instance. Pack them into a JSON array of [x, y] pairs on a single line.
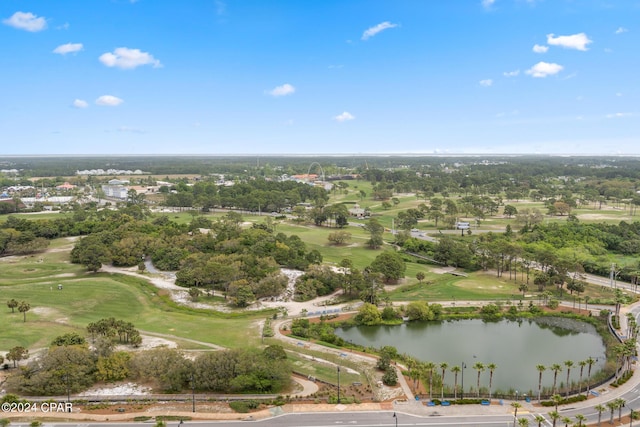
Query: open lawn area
[[447, 287], [316, 238], [87, 297], [478, 286]]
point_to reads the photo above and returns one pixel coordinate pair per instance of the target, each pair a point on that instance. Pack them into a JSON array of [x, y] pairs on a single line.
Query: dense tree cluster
[[252, 195], [228, 371], [322, 331], [14, 242], [243, 263], [67, 367], [110, 328], [317, 281]]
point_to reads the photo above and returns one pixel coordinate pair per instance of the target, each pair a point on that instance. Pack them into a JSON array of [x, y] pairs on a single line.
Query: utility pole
[[193, 394], [338, 384], [462, 391]]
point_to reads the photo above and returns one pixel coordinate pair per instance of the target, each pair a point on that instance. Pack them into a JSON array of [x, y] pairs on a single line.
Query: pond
[[515, 347]]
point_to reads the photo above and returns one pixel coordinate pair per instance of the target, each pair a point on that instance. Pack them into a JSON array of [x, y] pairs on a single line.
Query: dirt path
[[177, 338]]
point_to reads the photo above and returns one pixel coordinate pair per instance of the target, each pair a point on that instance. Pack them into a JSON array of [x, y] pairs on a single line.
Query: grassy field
[[87, 297], [477, 286]]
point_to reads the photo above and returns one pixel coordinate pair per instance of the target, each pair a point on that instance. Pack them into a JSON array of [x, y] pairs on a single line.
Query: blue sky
[[297, 76]]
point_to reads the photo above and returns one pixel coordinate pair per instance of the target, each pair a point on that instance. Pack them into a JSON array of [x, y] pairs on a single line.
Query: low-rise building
[[115, 191]]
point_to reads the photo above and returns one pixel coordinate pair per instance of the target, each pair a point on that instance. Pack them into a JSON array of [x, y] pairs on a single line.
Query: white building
[[115, 191]]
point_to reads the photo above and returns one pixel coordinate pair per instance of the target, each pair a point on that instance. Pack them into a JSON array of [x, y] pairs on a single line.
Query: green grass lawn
[[37, 216], [446, 287], [48, 268], [316, 238], [88, 297], [324, 371]]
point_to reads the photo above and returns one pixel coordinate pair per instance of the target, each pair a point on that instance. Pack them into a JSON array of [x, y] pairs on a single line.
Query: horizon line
[[407, 154]]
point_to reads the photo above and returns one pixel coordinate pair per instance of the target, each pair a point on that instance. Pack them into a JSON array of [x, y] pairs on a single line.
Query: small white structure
[[115, 191]]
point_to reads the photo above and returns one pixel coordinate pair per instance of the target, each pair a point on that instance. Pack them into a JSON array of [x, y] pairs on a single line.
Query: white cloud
[[486, 82], [26, 21], [63, 49], [376, 29], [576, 41], [345, 116], [109, 101], [544, 69], [80, 103], [513, 73], [487, 3], [285, 89], [618, 93], [621, 30], [618, 115], [126, 58], [540, 49]]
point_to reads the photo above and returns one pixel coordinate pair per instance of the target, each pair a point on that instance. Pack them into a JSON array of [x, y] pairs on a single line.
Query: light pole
[[338, 384], [193, 394], [66, 378], [396, 418], [462, 370]]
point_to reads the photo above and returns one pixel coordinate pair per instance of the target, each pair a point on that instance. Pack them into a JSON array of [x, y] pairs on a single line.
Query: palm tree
[[523, 422], [541, 369], [600, 409], [443, 366], [555, 368], [554, 415], [568, 364], [612, 407], [618, 351], [12, 304], [581, 418], [582, 364], [23, 308], [414, 374], [515, 406], [429, 367], [478, 366], [455, 369], [619, 405], [491, 367], [590, 362], [539, 419], [566, 421], [557, 399]]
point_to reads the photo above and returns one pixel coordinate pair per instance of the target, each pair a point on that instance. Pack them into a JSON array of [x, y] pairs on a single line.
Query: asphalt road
[[359, 419]]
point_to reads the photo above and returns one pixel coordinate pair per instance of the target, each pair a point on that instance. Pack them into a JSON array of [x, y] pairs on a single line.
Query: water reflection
[[515, 346]]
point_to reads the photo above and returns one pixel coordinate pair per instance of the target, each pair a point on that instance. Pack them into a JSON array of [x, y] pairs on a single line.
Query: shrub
[[244, 406], [572, 399], [390, 377], [623, 379]]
